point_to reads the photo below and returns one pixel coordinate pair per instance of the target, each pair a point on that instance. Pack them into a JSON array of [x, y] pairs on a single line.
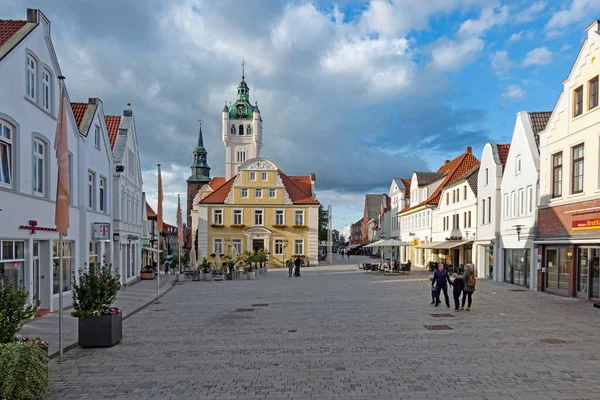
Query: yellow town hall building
[[256, 206]]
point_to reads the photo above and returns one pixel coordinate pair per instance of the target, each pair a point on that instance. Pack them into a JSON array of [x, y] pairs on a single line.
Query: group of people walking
[[462, 283], [294, 266]]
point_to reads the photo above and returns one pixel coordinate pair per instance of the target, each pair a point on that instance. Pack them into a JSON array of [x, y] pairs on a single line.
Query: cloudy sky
[[358, 92]]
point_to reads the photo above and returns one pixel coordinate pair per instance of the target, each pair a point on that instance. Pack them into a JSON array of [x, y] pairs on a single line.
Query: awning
[[429, 245], [451, 245], [152, 250]]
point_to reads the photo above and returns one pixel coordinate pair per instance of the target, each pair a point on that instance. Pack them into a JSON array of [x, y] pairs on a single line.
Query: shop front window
[[516, 266], [66, 267], [557, 268], [12, 261], [588, 272], [94, 254]]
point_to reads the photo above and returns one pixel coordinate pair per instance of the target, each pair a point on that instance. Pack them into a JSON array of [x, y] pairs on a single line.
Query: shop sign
[[33, 226], [586, 224], [100, 231]]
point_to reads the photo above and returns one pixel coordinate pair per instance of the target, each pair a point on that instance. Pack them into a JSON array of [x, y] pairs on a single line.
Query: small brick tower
[[200, 176]]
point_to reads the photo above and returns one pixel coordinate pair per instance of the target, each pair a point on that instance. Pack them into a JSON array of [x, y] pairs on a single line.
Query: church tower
[[200, 177], [242, 130]]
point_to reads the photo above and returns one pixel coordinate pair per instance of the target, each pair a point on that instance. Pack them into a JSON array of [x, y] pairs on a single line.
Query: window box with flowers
[[299, 226], [217, 225], [279, 226], [100, 325], [238, 226]]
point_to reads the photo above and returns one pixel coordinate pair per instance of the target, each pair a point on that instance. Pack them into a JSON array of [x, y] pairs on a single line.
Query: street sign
[[100, 231]]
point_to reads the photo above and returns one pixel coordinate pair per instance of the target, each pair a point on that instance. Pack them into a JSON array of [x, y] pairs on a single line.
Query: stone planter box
[[146, 276], [250, 275], [101, 331], [207, 276]]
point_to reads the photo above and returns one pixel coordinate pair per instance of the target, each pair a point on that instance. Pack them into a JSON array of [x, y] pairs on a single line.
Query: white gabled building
[[29, 104], [128, 200], [455, 221], [398, 193], [516, 258], [489, 201]]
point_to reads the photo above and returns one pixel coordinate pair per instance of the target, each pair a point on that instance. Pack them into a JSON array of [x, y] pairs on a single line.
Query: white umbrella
[[193, 262], [375, 244], [218, 262]]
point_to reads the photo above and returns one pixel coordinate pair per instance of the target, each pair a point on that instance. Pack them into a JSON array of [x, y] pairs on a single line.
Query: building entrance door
[[36, 270], [258, 244], [456, 257], [588, 273], [595, 273]]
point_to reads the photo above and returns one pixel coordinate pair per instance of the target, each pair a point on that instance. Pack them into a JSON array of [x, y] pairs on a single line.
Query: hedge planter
[[101, 331], [146, 275]]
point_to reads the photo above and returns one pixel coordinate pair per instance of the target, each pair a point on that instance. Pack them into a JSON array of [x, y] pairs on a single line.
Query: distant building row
[[528, 213]]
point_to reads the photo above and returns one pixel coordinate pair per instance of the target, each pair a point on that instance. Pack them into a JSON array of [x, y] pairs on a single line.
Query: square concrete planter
[[101, 331], [146, 275]]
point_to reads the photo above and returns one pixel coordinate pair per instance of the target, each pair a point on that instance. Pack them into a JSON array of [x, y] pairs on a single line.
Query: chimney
[[127, 111], [92, 100], [446, 162], [32, 15], [594, 26], [469, 149]]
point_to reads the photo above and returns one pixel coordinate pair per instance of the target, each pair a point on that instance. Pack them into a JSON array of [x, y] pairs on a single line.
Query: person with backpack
[[469, 287], [297, 264]]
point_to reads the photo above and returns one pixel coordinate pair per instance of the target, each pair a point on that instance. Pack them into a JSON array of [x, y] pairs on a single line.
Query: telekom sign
[[100, 231]]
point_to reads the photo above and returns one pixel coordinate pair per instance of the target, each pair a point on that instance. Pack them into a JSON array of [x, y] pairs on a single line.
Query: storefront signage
[[100, 231], [33, 226], [586, 224]]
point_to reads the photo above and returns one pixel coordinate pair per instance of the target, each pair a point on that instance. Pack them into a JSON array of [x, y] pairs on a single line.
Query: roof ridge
[[215, 191], [295, 184]]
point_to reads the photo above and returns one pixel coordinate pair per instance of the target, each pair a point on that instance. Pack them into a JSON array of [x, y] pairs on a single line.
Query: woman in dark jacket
[[458, 285], [468, 289]]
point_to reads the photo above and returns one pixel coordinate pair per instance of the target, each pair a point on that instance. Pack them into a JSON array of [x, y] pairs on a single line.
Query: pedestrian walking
[[469, 287], [297, 263], [441, 279], [458, 284], [432, 290], [290, 266]]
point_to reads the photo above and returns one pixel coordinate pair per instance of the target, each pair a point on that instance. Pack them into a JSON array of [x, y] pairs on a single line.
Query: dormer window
[[31, 74]]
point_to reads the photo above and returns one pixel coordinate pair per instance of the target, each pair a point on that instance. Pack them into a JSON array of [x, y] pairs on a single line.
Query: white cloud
[[565, 47], [578, 11], [513, 92], [522, 35], [538, 56], [488, 18], [531, 13], [447, 54], [501, 62]]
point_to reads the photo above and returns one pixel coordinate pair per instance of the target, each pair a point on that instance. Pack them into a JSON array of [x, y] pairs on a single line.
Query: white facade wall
[[519, 193], [250, 144], [396, 194], [489, 203]]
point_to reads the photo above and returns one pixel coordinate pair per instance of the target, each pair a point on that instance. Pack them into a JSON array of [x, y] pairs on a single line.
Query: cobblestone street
[[337, 332]]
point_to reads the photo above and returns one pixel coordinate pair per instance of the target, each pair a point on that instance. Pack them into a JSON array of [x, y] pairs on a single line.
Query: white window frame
[[39, 159], [258, 193], [487, 177], [217, 249], [521, 210], [296, 214], [97, 139], [91, 192], [244, 193], [263, 176], [252, 176], [237, 245], [217, 212], [31, 77], [299, 242], [235, 213], [272, 193], [530, 200], [103, 195], [513, 205], [260, 212], [483, 211], [46, 90], [7, 134], [282, 217], [518, 164], [278, 247]]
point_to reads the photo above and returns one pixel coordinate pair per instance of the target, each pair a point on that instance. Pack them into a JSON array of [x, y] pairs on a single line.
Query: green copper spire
[[200, 168]]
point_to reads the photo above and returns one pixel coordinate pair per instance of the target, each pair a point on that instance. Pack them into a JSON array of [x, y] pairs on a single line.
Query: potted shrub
[[147, 273], [205, 265], [23, 364], [100, 325]]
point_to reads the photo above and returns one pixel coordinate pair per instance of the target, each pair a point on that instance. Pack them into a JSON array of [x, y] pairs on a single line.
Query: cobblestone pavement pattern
[[357, 335]]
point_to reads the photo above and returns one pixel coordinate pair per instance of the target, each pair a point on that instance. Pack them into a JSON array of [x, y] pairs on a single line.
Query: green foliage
[[323, 222], [95, 291], [24, 371], [14, 310], [205, 265]]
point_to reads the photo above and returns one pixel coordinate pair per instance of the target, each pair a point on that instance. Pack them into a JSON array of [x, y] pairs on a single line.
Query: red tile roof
[[149, 211], [8, 28], [79, 110], [295, 187], [216, 183], [112, 126], [503, 152], [452, 171]]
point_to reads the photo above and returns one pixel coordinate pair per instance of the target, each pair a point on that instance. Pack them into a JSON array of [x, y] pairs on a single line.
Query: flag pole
[[60, 297], [158, 216]]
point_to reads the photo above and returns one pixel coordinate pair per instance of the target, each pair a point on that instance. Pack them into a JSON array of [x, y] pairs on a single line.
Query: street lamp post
[[229, 245], [329, 244]]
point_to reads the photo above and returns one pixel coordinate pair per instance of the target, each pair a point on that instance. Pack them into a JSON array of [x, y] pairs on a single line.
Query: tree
[[323, 223], [342, 240]]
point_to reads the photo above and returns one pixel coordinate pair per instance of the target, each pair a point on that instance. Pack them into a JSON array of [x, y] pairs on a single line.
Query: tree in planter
[[95, 292], [14, 310]]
